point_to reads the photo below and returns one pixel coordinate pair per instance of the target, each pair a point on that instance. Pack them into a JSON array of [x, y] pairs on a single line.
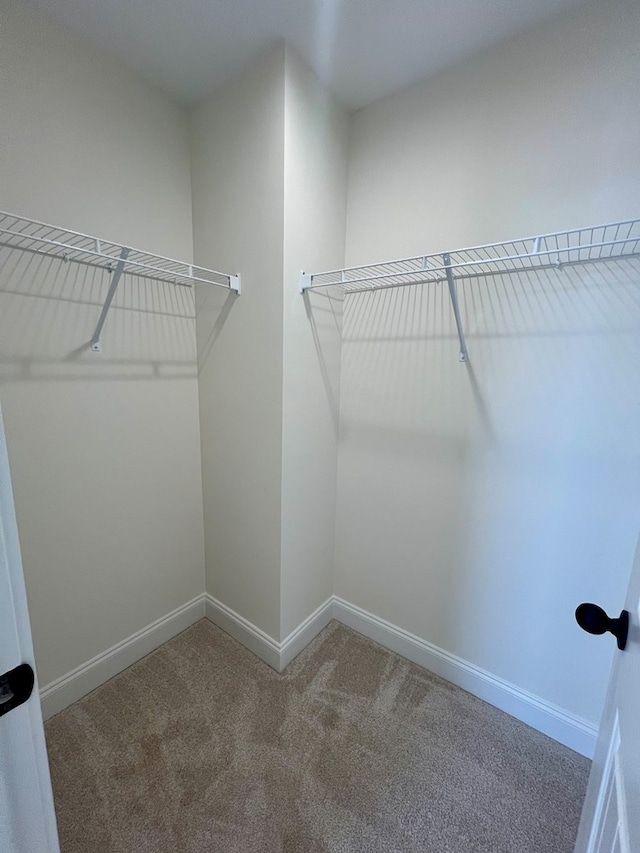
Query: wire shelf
[[28, 235], [581, 245]]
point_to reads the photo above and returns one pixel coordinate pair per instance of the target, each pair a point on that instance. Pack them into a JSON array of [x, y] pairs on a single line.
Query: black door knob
[[593, 619], [15, 687]]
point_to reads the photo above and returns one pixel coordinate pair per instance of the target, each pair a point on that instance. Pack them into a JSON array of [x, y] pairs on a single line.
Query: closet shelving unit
[[28, 235], [610, 242]]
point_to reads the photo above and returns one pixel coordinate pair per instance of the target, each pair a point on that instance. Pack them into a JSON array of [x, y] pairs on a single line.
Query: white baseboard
[[62, 692], [560, 725], [277, 655], [300, 638], [568, 729], [245, 632]]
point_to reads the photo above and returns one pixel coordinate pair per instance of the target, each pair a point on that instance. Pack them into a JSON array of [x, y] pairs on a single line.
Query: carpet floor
[[202, 747]]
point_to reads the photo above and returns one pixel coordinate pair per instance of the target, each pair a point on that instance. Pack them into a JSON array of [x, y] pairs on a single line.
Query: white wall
[[537, 134], [479, 504], [269, 158], [238, 214], [315, 188], [104, 449], [83, 138]]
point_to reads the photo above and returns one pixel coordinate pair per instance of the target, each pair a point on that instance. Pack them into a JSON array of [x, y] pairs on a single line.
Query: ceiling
[[361, 49]]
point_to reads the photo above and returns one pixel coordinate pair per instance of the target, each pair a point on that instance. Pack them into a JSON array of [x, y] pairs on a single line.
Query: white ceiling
[[361, 49]]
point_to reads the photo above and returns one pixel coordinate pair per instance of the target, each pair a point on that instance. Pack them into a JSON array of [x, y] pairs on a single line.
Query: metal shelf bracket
[[454, 304], [115, 281], [305, 281]]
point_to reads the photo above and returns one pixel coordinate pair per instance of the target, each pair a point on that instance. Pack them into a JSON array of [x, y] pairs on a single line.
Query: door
[[611, 814], [27, 816]]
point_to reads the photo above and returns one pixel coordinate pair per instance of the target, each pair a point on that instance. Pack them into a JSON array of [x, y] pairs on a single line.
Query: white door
[[611, 814], [27, 816]]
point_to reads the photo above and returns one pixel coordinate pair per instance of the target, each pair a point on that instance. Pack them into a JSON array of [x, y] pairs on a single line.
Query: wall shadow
[[324, 312], [49, 310], [213, 307], [471, 496]]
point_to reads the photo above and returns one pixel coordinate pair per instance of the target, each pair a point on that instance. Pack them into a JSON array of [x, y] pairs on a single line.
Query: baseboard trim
[[245, 632], [568, 729], [59, 694], [276, 655], [300, 638]]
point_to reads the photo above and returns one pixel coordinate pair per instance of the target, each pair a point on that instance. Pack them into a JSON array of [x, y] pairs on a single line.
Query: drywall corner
[[237, 148], [315, 182]]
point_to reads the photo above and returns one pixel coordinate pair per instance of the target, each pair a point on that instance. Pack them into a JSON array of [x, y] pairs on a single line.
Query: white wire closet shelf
[[610, 242], [29, 235]]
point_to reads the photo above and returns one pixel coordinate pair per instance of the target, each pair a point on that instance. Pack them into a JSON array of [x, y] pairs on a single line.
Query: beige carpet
[[202, 747]]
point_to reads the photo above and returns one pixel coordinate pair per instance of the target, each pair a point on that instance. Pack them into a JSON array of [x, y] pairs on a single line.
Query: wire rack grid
[[581, 245], [29, 235]]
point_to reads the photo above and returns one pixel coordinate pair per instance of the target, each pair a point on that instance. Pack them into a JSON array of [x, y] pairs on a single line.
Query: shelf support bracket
[[305, 281], [115, 281], [454, 304]]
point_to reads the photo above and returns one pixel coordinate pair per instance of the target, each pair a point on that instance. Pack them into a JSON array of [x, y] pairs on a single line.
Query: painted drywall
[[238, 214], [479, 504], [269, 154], [85, 138], [104, 449], [315, 189], [538, 134]]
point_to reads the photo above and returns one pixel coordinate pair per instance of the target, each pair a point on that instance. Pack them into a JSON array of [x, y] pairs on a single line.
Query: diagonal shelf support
[[454, 304], [115, 281]]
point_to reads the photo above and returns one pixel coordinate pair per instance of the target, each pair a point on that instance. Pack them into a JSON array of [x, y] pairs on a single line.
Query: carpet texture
[[202, 747]]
